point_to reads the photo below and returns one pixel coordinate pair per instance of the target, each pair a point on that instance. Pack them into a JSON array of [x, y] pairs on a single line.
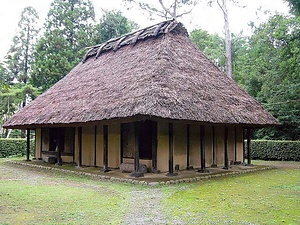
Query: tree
[[19, 58], [295, 6], [223, 7], [222, 4], [113, 24], [167, 9], [170, 9], [69, 28], [212, 45], [267, 66], [3, 75], [11, 100], [275, 67]]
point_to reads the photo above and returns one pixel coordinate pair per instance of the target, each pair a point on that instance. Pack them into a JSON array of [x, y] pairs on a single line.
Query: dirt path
[[280, 164], [16, 172], [145, 207]]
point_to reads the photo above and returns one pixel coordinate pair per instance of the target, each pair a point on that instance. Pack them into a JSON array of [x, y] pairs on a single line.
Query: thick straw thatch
[[156, 72]]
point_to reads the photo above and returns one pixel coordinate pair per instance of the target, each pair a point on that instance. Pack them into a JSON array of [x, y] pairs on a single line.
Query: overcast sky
[[205, 17]]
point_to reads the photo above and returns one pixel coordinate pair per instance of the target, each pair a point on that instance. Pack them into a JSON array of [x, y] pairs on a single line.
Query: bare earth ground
[[149, 213], [279, 164]]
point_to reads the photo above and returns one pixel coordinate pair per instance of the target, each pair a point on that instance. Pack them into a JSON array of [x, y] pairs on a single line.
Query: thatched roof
[[156, 72]]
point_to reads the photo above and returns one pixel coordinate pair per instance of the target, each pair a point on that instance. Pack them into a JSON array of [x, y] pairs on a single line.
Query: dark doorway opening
[[145, 139], [54, 139]]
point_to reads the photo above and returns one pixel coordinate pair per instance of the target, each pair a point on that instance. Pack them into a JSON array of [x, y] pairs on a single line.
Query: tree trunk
[[8, 131], [224, 9]]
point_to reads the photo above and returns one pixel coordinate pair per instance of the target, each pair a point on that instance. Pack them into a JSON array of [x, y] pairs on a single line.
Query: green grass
[[33, 196], [59, 199], [271, 197]]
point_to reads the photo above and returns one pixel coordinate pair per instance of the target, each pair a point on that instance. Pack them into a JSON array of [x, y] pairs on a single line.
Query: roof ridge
[[132, 38]]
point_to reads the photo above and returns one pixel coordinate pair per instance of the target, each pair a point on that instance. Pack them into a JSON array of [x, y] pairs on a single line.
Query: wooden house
[[150, 97]]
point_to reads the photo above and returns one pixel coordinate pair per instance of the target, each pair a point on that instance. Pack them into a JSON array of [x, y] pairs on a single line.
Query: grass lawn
[[48, 197], [270, 197], [33, 196]]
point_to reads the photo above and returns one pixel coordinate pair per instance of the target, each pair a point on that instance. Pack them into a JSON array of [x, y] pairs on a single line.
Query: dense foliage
[[275, 66], [267, 66], [295, 6], [113, 24], [11, 98], [276, 150], [32, 66], [14, 147], [68, 30], [212, 45], [20, 58]]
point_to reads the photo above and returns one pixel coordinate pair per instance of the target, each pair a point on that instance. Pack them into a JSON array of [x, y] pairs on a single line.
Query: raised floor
[[151, 179]]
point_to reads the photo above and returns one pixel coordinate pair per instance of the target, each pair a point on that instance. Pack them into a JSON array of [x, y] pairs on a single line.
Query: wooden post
[[154, 147], [95, 146], [59, 159], [73, 144], [105, 148], [80, 146], [235, 145], [34, 152], [244, 146], [28, 146], [188, 146], [249, 146], [121, 143], [225, 148], [202, 150], [136, 146], [59, 146], [171, 151], [41, 155], [214, 163], [136, 172]]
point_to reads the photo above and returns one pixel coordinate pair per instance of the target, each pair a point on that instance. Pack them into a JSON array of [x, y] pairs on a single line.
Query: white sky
[[203, 16]]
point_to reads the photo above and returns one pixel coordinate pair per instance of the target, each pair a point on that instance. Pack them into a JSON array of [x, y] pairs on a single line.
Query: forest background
[[265, 61]]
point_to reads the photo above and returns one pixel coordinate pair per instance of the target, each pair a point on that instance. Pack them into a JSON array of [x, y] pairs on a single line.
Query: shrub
[[276, 150], [14, 147]]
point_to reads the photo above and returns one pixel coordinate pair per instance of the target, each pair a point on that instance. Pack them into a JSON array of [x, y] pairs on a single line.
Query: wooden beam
[[121, 143], [235, 144], [171, 151], [41, 143], [202, 150], [249, 146], [214, 154], [105, 148], [95, 146], [28, 146], [136, 146], [73, 143], [188, 143], [244, 149], [225, 148], [34, 152], [58, 136], [136, 172], [80, 146], [154, 147]]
